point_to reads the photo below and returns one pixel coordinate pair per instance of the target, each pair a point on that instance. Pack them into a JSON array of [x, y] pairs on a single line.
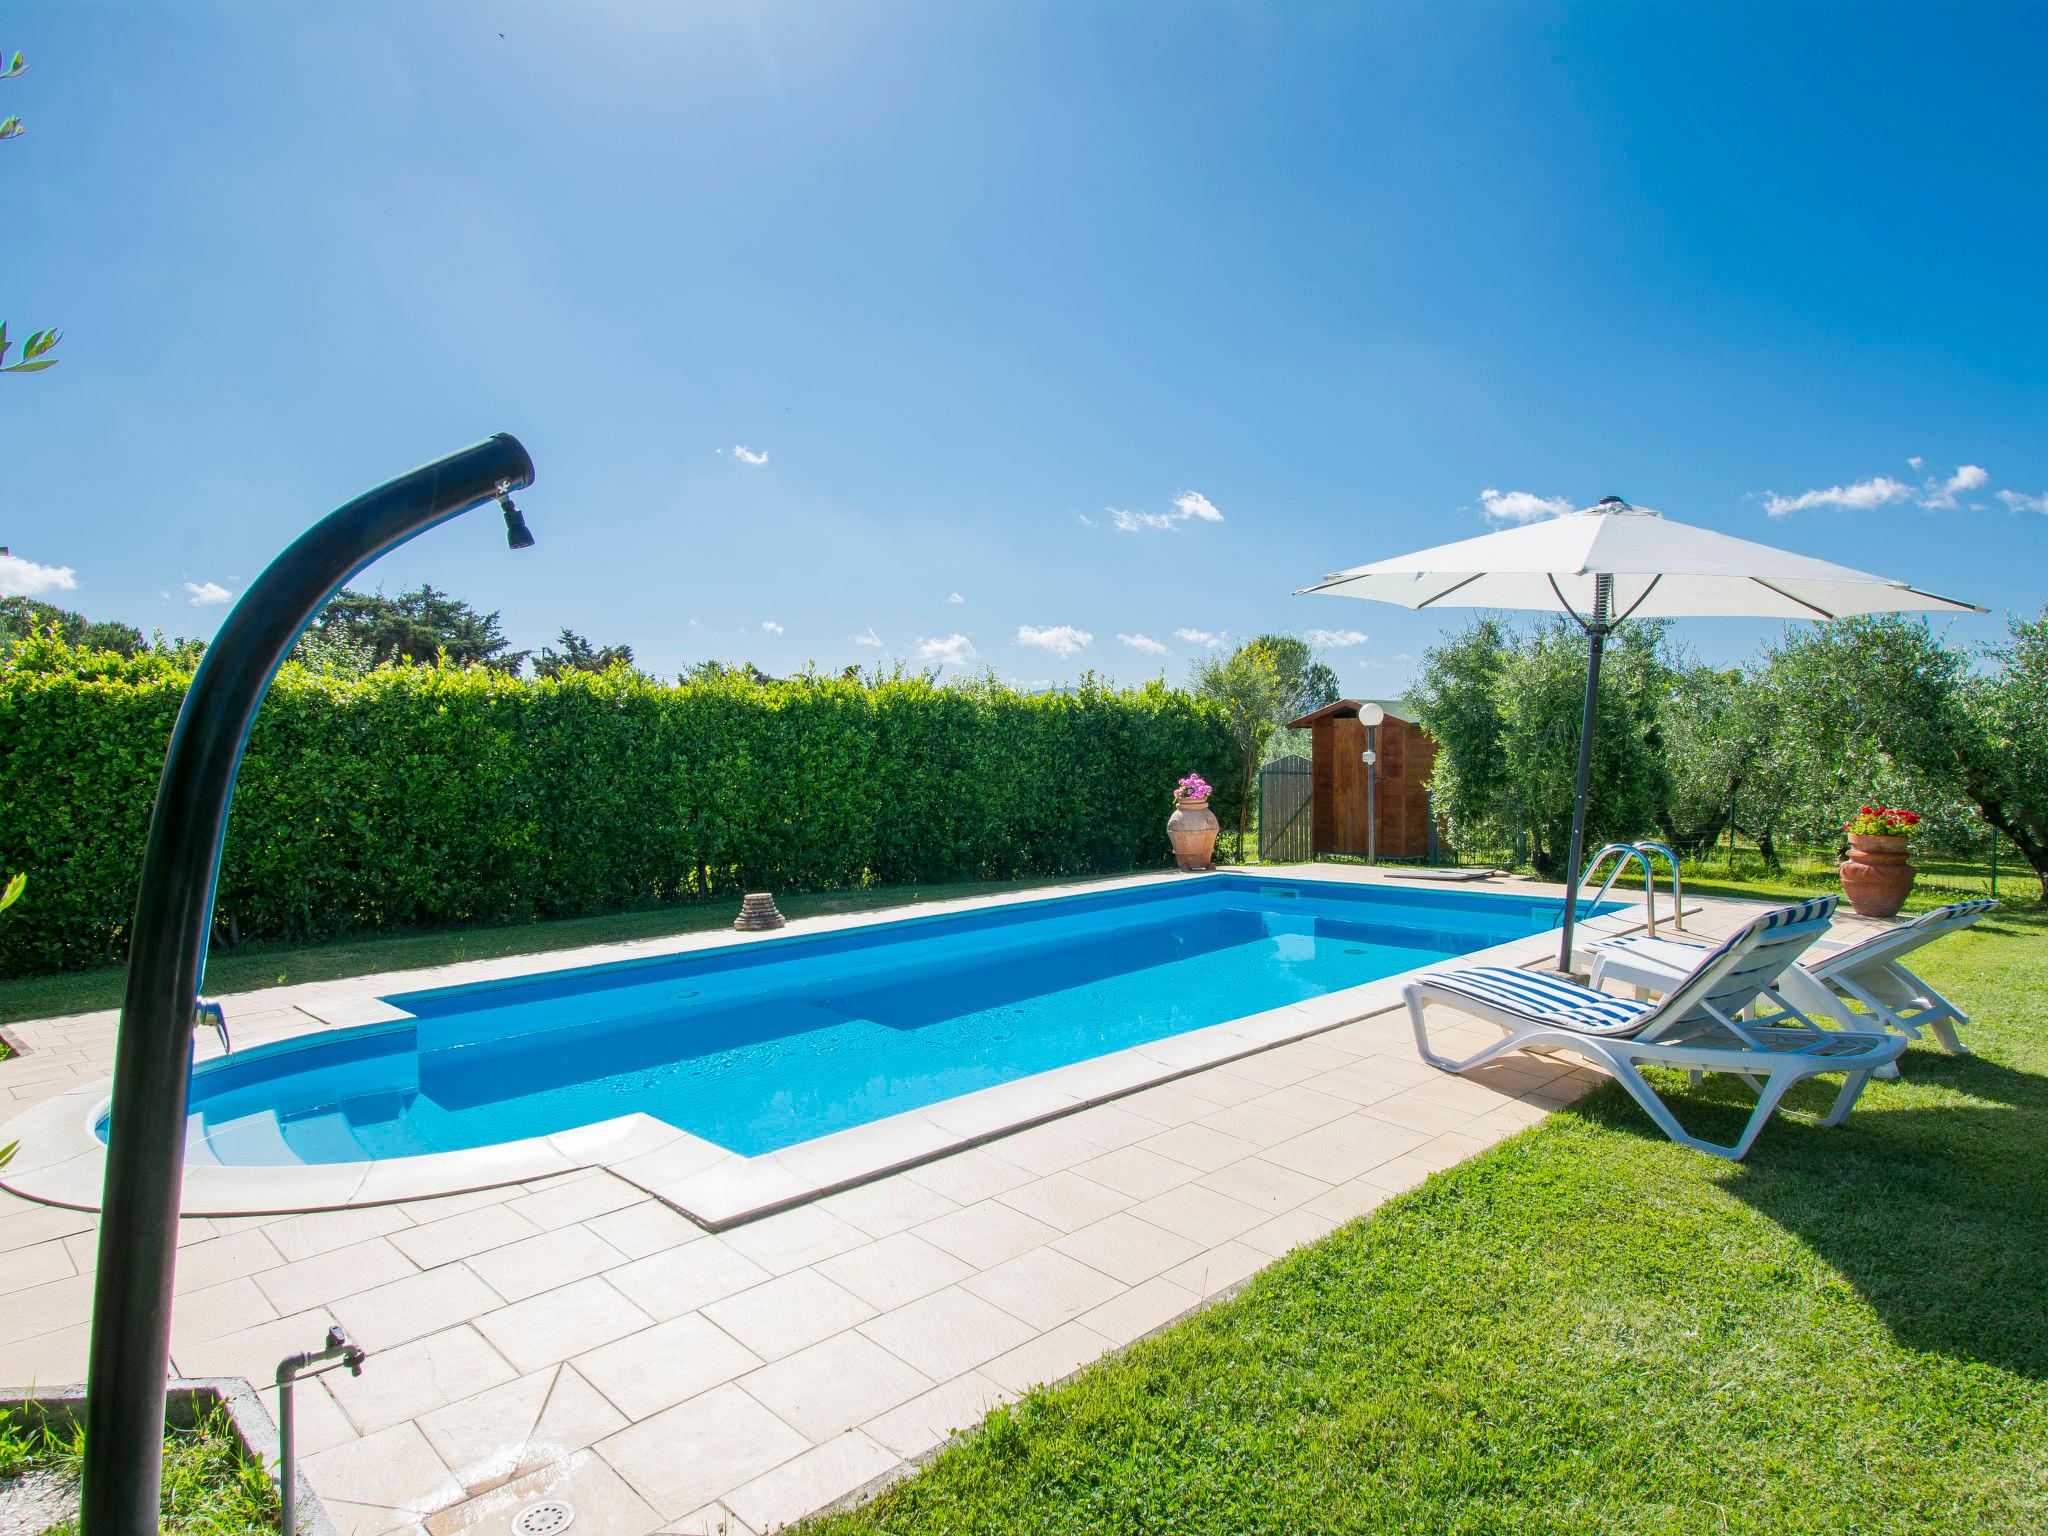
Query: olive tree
[[1251, 693], [1505, 706], [1920, 721]]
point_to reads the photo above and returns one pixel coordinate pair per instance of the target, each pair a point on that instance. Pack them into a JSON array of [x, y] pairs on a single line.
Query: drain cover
[[543, 1519]]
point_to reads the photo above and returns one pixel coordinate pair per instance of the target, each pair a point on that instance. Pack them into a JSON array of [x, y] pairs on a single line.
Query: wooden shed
[[1400, 790]]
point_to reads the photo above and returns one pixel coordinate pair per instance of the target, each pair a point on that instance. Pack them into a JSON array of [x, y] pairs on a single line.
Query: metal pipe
[[1603, 603], [131, 1316], [339, 1349], [1372, 814]]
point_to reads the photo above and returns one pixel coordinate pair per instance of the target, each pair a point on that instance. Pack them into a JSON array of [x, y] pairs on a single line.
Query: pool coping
[[62, 1161]]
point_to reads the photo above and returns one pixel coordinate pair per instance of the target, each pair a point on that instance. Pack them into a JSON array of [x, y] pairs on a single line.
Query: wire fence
[[1989, 865]]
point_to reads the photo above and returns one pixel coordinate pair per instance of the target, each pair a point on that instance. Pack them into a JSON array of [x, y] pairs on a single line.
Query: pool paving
[[574, 1337]]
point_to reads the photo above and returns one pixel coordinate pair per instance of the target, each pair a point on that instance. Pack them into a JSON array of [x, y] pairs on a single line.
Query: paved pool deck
[[576, 1337]]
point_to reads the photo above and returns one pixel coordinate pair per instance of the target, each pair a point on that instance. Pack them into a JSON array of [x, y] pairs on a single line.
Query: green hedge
[[420, 796]]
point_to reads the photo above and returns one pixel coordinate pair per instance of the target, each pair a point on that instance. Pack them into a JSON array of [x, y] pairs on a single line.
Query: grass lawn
[[1590, 1329], [209, 1487], [274, 965]]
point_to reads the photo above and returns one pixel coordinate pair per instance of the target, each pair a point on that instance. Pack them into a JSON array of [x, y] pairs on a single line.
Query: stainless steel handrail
[[1677, 883], [1624, 852]]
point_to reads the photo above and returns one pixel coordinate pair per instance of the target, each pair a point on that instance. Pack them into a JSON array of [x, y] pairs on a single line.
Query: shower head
[[517, 534]]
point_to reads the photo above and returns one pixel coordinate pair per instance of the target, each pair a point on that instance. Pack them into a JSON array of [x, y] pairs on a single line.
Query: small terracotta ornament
[[757, 913]]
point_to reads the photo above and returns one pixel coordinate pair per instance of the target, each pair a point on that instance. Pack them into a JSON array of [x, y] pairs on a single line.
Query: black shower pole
[[131, 1315]]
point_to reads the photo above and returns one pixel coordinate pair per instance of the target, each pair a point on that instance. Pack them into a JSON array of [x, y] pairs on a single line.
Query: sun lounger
[[1867, 972], [1695, 1027]]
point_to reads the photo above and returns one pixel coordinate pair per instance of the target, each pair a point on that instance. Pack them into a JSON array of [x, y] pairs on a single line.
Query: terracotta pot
[[1877, 875], [1192, 830]]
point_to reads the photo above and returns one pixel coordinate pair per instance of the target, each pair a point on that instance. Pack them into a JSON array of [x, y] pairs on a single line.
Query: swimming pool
[[756, 1047]]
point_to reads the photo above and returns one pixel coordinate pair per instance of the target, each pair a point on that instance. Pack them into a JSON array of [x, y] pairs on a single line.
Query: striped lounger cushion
[[1546, 999]]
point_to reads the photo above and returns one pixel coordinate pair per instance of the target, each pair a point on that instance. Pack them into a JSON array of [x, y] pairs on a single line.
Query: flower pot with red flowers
[[1192, 827], [1877, 871]]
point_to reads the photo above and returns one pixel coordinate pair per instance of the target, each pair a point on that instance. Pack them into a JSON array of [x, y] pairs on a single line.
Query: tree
[[1305, 683], [2012, 709], [19, 616], [1888, 694], [1458, 700], [1505, 707], [34, 351], [720, 671], [579, 655], [1249, 689], [422, 625], [1738, 762]]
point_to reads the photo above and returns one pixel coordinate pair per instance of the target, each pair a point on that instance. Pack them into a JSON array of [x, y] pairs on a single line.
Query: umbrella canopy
[[1612, 562], [1659, 569]]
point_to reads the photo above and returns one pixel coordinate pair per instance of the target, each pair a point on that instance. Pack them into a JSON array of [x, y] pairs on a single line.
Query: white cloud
[[24, 578], [1968, 477], [748, 456], [1878, 491], [1134, 522], [867, 639], [1336, 638], [1143, 643], [1060, 639], [956, 598], [1520, 506], [1208, 637], [771, 626], [208, 594], [2018, 502], [1084, 519], [1188, 506], [1916, 461], [952, 651]]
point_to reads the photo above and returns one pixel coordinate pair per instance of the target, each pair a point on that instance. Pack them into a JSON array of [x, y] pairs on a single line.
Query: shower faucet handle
[[214, 1017]]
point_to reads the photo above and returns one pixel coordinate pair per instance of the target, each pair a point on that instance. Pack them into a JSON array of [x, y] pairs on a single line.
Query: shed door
[[1347, 786]]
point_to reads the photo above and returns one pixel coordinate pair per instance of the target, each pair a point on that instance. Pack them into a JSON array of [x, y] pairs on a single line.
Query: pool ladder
[[1640, 852]]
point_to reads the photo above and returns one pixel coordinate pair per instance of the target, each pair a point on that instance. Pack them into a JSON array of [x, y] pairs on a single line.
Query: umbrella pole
[[1596, 632]]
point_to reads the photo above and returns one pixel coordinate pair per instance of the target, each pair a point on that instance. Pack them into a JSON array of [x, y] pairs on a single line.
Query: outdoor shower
[[131, 1316]]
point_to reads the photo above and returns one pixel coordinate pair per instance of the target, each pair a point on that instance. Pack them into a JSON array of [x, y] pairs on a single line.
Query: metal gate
[[1284, 801]]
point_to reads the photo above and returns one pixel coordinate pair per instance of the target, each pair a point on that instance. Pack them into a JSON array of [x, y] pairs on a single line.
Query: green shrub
[[421, 796]]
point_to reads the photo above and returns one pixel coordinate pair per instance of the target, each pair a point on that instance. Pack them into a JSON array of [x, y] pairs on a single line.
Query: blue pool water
[[763, 1045]]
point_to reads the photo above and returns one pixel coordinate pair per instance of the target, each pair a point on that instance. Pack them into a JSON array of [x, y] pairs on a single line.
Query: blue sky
[[1290, 288]]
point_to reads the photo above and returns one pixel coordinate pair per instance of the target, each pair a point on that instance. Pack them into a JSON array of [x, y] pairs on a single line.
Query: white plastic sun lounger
[[1693, 1028], [1868, 972]]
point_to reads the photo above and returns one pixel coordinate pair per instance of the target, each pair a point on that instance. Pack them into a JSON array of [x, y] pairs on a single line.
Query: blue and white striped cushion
[[1906, 937], [1544, 998], [1813, 909], [1549, 999], [1956, 909]]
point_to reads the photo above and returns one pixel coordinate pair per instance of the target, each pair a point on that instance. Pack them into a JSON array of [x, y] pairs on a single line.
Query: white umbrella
[[1613, 562]]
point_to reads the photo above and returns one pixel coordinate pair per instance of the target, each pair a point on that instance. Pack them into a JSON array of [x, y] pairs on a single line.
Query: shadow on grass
[[1930, 1201]]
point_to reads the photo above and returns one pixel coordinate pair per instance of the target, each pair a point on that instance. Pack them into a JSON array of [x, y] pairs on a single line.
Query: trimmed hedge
[[423, 796]]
